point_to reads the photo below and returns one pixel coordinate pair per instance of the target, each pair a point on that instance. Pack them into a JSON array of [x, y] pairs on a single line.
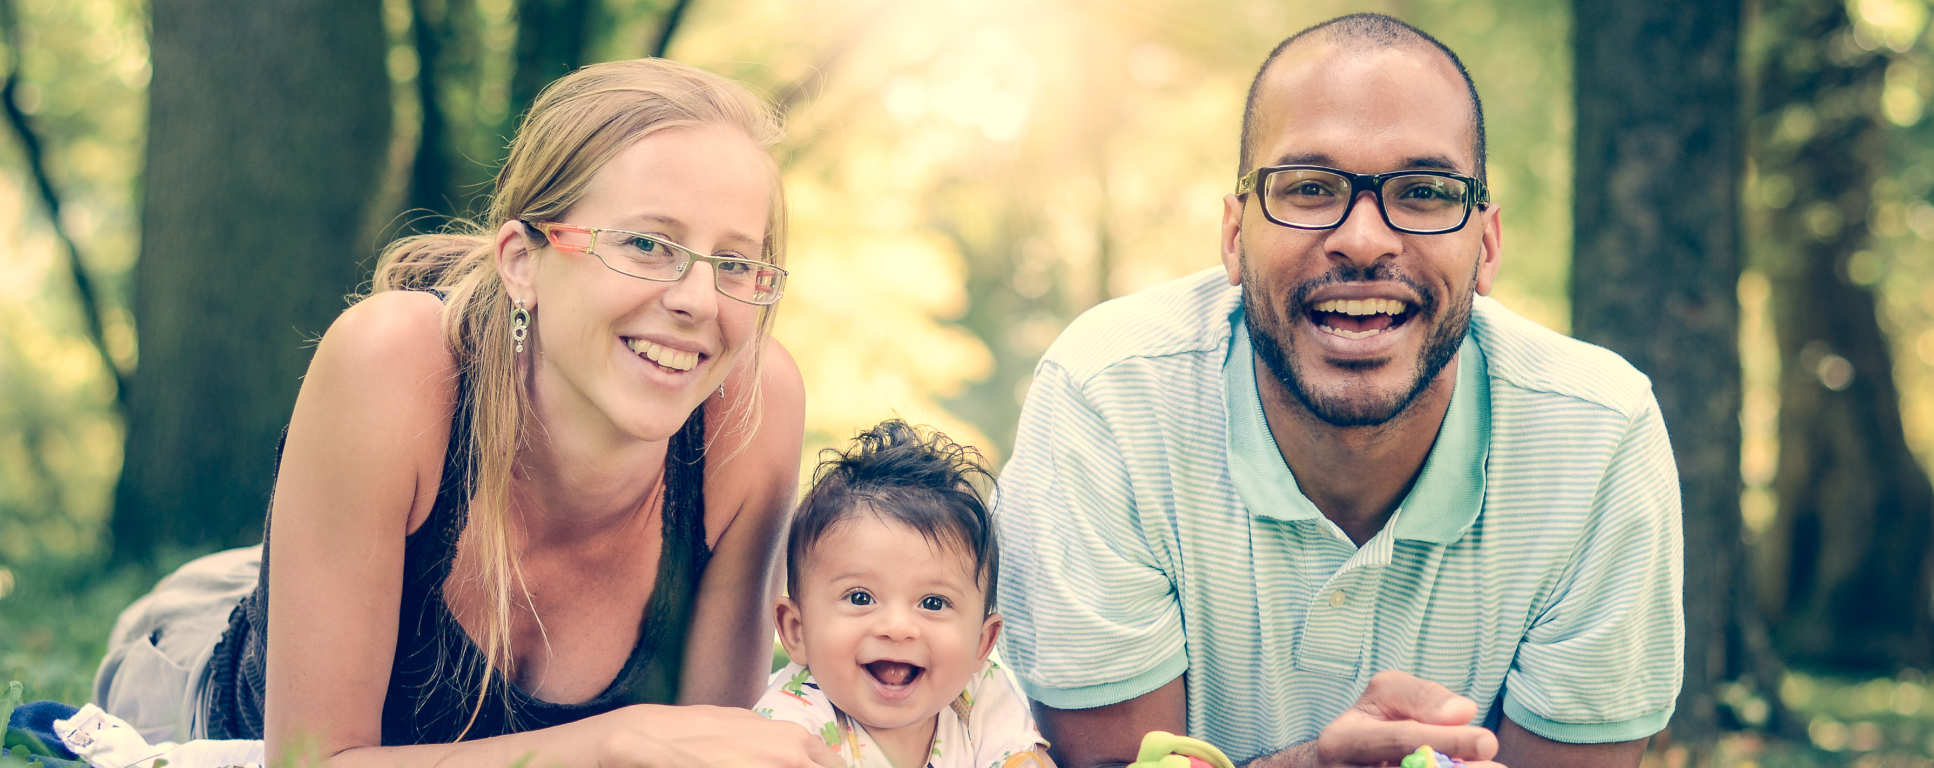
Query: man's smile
[[1359, 318]]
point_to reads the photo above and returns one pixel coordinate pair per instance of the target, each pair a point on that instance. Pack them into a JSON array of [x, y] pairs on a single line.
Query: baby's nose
[[897, 624]]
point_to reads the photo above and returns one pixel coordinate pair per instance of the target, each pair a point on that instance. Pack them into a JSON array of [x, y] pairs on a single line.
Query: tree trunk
[[269, 123], [433, 190], [550, 44], [1856, 513], [458, 150], [1660, 156]]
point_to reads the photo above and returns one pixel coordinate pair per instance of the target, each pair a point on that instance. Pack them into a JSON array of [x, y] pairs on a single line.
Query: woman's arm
[[359, 468], [359, 472], [750, 484], [639, 736]]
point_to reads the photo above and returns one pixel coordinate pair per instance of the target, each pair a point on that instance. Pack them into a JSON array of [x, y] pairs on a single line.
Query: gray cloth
[[155, 672]]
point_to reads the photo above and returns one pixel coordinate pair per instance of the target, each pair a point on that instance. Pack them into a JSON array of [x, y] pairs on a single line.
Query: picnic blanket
[[87, 737]]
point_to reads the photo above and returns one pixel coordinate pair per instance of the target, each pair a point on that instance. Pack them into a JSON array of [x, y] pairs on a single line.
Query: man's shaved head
[[1357, 33]]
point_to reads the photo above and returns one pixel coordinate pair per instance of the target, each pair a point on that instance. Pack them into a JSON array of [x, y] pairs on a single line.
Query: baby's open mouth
[[894, 672], [1359, 318]]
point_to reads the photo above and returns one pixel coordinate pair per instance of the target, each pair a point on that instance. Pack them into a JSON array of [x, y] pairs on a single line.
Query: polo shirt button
[[1337, 598]]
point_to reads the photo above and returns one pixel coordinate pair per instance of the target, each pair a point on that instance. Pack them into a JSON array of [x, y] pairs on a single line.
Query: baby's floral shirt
[[987, 726]]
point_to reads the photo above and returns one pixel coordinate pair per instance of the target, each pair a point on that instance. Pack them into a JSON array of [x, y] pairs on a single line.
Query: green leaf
[[19, 743], [7, 704]]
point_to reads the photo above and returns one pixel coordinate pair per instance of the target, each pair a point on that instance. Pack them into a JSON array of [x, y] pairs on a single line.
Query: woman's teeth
[[675, 359]]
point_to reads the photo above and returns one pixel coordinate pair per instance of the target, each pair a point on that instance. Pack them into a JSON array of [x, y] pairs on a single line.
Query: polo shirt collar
[[1443, 501]]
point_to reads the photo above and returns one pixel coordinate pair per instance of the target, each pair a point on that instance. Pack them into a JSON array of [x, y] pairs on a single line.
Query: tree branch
[[430, 188], [36, 164], [663, 44]]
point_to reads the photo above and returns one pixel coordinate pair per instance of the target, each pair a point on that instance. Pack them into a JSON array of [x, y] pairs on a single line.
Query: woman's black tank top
[[434, 678]]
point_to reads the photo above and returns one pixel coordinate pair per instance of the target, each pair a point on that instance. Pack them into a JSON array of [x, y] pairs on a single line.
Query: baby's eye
[[933, 603], [859, 597]]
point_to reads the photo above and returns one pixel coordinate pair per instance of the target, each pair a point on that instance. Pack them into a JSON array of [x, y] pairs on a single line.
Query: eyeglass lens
[[655, 259], [1308, 197]]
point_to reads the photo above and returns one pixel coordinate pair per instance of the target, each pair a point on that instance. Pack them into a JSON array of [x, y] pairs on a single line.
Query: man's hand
[[1396, 714]]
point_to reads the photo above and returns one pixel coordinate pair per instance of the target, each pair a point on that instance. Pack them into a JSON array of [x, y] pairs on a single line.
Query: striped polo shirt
[[1150, 528]]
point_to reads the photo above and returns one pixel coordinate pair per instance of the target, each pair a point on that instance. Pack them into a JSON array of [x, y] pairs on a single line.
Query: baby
[[890, 572]]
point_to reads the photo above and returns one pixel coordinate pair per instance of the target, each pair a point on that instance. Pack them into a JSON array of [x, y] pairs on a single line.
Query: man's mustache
[[1347, 273]]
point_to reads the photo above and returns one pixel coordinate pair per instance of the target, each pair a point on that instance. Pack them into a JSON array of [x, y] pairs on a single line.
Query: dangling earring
[[721, 390], [520, 323]]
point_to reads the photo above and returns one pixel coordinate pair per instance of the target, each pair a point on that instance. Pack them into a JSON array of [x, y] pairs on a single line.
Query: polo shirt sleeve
[[1603, 660], [1091, 613]]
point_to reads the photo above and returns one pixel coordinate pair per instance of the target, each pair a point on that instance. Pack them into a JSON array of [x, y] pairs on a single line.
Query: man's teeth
[[675, 359], [1353, 334], [1360, 307]]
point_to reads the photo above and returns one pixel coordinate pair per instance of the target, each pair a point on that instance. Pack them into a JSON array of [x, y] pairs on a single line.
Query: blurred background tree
[[252, 194], [963, 178], [1848, 553], [1654, 276]]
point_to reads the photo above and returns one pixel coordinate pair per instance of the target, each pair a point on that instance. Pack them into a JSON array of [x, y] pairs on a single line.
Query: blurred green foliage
[[973, 175], [84, 72], [963, 178], [1894, 268]]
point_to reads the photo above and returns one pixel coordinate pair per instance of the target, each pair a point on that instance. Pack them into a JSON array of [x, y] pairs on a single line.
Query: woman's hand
[[681, 737]]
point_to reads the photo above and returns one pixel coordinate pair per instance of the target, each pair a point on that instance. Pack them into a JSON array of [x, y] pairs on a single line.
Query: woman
[[530, 494]]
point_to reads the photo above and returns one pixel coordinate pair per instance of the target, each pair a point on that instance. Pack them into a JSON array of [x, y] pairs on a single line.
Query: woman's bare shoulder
[[392, 328], [389, 347], [378, 399], [757, 459]]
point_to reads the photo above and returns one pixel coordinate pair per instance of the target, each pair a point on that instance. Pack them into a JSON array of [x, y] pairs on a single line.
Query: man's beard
[[1355, 409]]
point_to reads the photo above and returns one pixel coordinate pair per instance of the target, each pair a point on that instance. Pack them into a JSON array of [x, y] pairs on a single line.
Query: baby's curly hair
[[924, 481]]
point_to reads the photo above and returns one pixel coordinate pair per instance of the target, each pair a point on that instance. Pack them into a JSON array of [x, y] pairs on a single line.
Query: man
[[1328, 504]]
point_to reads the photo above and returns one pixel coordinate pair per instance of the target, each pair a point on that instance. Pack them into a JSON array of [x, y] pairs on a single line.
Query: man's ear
[[1491, 218], [1231, 243], [792, 628], [517, 262], [990, 630]]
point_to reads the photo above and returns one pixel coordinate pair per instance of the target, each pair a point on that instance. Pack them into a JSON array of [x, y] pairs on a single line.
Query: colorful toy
[[1425, 757], [1161, 749]]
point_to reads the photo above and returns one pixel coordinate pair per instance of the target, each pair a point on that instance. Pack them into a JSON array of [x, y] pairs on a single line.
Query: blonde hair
[[575, 126]]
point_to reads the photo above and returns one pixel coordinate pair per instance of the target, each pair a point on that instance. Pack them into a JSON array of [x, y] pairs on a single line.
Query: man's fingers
[[1396, 695], [1468, 743], [1371, 742]]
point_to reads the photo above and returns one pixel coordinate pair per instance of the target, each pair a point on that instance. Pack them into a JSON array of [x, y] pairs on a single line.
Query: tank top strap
[[431, 549], [655, 669]]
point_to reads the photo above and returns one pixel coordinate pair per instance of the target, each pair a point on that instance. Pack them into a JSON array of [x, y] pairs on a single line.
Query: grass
[[55, 615], [54, 620], [1858, 722]]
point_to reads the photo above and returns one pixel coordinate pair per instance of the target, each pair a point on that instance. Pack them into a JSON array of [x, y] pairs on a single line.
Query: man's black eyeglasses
[[1315, 197]]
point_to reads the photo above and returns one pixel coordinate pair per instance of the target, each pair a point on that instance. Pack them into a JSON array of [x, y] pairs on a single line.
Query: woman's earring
[[520, 324]]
